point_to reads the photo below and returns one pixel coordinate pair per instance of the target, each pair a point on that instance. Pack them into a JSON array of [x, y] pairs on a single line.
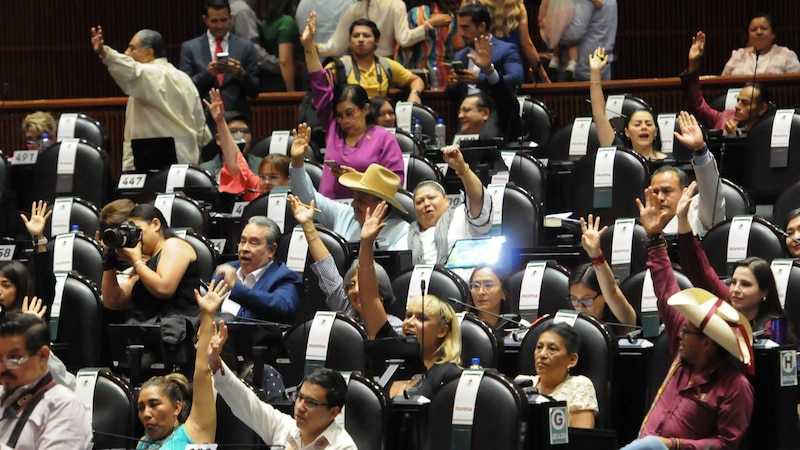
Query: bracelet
[[595, 83], [367, 267], [41, 241], [655, 241], [463, 172], [311, 51], [316, 236], [599, 261], [419, 93], [136, 264], [677, 443]]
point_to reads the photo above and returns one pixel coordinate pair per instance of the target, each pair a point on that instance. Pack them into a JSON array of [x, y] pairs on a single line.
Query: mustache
[[7, 374]]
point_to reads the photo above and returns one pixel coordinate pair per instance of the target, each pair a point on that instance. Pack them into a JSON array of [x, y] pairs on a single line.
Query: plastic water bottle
[[44, 142], [441, 133], [475, 364], [435, 78], [416, 130]]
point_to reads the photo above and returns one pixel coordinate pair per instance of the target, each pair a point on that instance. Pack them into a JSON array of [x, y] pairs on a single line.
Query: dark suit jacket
[[507, 61], [275, 296], [195, 56]]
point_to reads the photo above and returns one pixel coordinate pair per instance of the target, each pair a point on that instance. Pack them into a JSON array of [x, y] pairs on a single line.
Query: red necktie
[[218, 49]]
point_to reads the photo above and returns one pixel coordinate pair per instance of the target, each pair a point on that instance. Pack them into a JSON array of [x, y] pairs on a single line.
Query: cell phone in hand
[[222, 58], [333, 164], [457, 66]]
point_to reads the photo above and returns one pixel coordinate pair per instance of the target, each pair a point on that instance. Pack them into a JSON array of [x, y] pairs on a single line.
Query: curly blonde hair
[[41, 122], [449, 350]]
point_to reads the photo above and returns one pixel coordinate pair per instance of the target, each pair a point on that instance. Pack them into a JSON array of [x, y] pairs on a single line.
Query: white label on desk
[[319, 335], [61, 281], [731, 98], [131, 181], [442, 167], [579, 137], [203, 446], [738, 235], [521, 100], [614, 105], [497, 192], [238, 208], [649, 300], [500, 178], [402, 112], [66, 157], [24, 157], [566, 316], [531, 289], [176, 177], [421, 272], [62, 209], [466, 394], [7, 252], [180, 232], [298, 249], [781, 270], [164, 204], [66, 126], [465, 137], [279, 142], [788, 368], [277, 208], [456, 200], [62, 252], [604, 167], [781, 128], [219, 244], [508, 158], [558, 421], [666, 128], [622, 241], [406, 159]]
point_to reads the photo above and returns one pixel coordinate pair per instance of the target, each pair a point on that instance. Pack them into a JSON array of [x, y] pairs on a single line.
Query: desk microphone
[[631, 336], [788, 236], [256, 191], [423, 289], [510, 318]]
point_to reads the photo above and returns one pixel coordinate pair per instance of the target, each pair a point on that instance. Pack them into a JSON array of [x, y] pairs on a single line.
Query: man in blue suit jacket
[[238, 74], [474, 21], [261, 288]]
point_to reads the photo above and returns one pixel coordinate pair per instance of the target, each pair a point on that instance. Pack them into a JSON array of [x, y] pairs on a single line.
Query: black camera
[[126, 235]]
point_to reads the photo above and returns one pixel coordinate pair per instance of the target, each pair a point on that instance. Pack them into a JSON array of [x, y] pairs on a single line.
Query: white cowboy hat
[[718, 320], [376, 180]]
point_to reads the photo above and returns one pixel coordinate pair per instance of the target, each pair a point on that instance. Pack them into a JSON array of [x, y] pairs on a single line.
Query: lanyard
[[27, 403]]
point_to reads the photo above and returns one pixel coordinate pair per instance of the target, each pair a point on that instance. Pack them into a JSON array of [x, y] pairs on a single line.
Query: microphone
[[511, 318], [631, 336], [788, 236], [423, 288], [256, 191]]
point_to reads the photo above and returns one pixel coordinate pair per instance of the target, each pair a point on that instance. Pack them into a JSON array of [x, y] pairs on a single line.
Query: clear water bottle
[[441, 134], [416, 130], [44, 142], [475, 363], [435, 78]]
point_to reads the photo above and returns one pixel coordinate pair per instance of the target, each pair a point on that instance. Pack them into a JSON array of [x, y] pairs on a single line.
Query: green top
[[283, 30]]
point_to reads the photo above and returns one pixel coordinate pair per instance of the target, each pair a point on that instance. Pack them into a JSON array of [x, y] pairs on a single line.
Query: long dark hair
[[148, 212], [762, 272], [20, 277]]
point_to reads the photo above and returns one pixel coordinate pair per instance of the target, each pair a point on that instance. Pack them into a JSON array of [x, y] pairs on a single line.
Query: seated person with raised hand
[[493, 110], [339, 295], [240, 129], [319, 399], [376, 74], [438, 226], [761, 49], [708, 207], [431, 320], [369, 188], [261, 288], [236, 176], [555, 354], [352, 140], [751, 104]]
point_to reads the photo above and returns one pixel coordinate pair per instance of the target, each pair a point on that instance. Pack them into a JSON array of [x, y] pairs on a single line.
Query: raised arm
[[307, 41], [472, 184], [230, 151], [304, 214], [372, 310], [201, 425], [696, 51], [605, 133], [615, 299]]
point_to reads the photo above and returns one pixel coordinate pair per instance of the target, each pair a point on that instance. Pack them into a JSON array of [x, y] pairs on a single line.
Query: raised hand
[[483, 52], [210, 302], [98, 43], [698, 46], [598, 59], [307, 37], [691, 134], [35, 307], [590, 236], [302, 137], [304, 214], [453, 157], [373, 224], [215, 345], [215, 107], [653, 218], [38, 219], [682, 211]]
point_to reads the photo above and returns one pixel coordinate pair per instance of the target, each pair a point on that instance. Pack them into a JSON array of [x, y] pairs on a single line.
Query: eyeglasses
[[271, 178], [235, 130], [349, 114], [310, 402], [14, 363], [685, 330], [486, 285], [586, 302]]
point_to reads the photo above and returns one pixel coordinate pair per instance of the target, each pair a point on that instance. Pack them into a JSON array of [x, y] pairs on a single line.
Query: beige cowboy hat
[[718, 320], [376, 180]]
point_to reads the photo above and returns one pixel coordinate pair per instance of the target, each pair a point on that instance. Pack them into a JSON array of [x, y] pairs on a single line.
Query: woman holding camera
[[165, 274]]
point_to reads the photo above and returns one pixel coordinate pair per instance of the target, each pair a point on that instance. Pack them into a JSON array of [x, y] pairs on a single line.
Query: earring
[[764, 299]]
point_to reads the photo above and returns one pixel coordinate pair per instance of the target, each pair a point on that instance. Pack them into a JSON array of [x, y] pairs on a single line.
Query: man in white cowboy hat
[[705, 400], [376, 184]]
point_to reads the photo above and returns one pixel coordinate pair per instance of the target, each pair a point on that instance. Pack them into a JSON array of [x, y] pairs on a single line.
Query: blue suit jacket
[[507, 61], [275, 296], [195, 56]]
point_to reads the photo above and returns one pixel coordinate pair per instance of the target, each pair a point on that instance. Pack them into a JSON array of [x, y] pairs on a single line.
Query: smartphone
[[222, 58], [457, 66], [333, 164]]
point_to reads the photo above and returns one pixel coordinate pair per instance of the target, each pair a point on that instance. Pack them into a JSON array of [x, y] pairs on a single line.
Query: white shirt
[[212, 44], [250, 280]]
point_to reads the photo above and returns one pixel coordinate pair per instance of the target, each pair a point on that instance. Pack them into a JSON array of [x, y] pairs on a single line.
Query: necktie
[[218, 49]]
